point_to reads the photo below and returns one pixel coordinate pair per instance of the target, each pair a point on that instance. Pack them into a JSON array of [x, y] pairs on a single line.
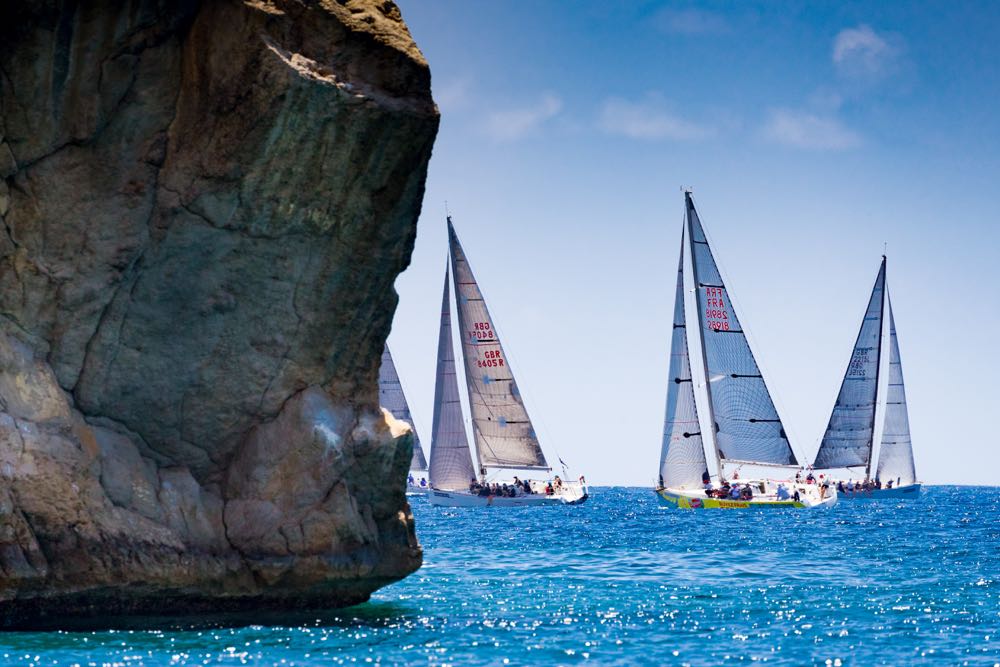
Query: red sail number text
[[715, 309]]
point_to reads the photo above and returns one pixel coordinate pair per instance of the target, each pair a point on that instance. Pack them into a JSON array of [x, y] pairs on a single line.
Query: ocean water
[[620, 580]]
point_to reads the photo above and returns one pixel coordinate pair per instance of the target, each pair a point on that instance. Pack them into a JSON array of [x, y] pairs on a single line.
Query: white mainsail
[[682, 456], [451, 462], [501, 427], [392, 398], [747, 425], [895, 459], [850, 433]]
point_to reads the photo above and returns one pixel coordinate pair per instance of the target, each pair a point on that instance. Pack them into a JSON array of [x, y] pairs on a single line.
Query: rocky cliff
[[205, 205]]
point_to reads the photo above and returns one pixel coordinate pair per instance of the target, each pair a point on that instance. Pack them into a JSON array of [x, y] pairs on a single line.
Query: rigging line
[[850, 358], [696, 354], [456, 335], [738, 311], [538, 424], [506, 353]]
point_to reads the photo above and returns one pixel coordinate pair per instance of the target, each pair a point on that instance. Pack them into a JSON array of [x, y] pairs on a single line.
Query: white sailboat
[[505, 439], [865, 392], [392, 398], [747, 430]]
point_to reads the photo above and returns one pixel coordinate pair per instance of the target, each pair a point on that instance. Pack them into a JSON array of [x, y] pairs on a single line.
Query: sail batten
[[392, 398], [451, 466], [895, 459], [747, 425], [682, 453], [504, 435], [849, 434]]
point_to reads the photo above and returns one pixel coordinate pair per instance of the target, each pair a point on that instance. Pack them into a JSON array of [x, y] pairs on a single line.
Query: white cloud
[[803, 129], [452, 95], [862, 53], [690, 22], [510, 124], [649, 119]]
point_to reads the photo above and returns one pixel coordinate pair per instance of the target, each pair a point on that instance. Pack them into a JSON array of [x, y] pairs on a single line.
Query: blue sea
[[622, 581]]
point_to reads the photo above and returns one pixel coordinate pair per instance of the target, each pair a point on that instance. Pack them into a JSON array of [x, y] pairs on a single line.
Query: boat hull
[[462, 499], [908, 492], [696, 500]]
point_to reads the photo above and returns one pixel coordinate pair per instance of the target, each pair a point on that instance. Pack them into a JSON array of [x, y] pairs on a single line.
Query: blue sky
[[811, 135]]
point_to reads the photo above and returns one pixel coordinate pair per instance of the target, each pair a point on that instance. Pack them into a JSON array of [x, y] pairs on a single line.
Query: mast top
[[688, 200]]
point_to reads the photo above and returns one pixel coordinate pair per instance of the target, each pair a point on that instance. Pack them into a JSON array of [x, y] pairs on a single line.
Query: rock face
[[205, 205]]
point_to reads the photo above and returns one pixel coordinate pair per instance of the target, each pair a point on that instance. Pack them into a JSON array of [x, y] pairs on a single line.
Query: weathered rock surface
[[205, 205]]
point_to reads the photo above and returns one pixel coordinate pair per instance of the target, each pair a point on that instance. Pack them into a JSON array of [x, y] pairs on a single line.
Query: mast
[[501, 427], [682, 454], [713, 424], [451, 463], [878, 371], [849, 438], [392, 398]]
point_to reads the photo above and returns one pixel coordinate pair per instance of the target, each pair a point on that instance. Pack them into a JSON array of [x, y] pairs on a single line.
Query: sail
[[504, 435], [682, 456], [391, 397], [747, 426], [895, 459], [451, 462], [849, 434]]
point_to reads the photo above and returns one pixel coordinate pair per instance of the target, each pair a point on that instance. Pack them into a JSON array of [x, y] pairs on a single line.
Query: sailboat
[[504, 437], [392, 398], [746, 427], [868, 389]]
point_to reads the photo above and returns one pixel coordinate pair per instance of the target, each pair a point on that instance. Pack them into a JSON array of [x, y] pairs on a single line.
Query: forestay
[[392, 398], [451, 462], [747, 426], [895, 459], [849, 434], [501, 427], [682, 456]]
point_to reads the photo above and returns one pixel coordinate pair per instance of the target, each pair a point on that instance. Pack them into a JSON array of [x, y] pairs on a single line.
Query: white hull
[[572, 494], [910, 491]]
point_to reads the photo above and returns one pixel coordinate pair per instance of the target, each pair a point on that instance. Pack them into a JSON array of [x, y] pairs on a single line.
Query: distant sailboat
[[849, 440], [392, 398], [503, 433], [747, 428]]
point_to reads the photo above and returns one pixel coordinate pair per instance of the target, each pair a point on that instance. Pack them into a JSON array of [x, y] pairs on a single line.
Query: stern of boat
[[574, 493]]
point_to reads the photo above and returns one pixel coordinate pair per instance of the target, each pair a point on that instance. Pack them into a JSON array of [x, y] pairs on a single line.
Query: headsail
[[682, 456], [451, 461], [850, 432], [747, 425], [391, 397], [504, 435], [895, 458]]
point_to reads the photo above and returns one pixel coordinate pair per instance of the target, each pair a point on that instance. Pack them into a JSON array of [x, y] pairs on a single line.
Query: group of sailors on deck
[[862, 487], [849, 486], [745, 491], [734, 491], [512, 490]]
